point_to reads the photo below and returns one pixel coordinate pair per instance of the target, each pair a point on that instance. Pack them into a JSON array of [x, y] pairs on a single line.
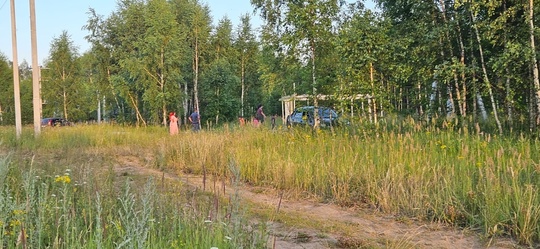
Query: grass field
[[63, 189]]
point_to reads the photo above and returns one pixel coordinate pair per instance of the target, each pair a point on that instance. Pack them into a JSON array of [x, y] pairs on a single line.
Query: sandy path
[[358, 227]]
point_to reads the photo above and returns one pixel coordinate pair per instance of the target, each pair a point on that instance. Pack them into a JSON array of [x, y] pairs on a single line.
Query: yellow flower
[[64, 179], [18, 212], [14, 223]]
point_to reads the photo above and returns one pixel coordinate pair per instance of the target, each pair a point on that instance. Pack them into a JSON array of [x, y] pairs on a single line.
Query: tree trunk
[[463, 78], [98, 109], [162, 86], [534, 62], [486, 78], [509, 99], [432, 98], [454, 74], [481, 107], [316, 121], [140, 118], [243, 79], [509, 95], [64, 99], [196, 78], [64, 94], [374, 103], [185, 103]]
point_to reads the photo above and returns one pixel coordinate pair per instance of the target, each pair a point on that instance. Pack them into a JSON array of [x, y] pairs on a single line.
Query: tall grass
[[63, 190], [467, 179], [461, 177]]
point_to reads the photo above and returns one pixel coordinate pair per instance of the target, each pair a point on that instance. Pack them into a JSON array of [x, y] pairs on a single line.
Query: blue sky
[[55, 16]]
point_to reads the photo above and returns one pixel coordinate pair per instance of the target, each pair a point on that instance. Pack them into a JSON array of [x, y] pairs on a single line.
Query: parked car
[[304, 116], [53, 122]]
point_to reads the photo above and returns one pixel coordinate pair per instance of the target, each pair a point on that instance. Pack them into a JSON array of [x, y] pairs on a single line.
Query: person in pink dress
[[173, 126]]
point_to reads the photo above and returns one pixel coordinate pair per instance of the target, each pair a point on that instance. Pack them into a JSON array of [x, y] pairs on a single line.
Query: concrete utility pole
[[16, 85], [35, 71]]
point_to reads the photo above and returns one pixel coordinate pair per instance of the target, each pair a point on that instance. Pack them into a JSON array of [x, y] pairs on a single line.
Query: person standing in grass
[[259, 116], [195, 120], [274, 121], [173, 124]]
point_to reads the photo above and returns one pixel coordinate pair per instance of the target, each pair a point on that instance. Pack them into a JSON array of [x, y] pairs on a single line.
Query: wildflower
[[14, 223], [64, 179], [478, 164], [228, 238], [443, 146], [18, 212]]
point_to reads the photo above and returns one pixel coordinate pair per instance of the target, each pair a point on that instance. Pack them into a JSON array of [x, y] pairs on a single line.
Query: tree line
[[463, 60]]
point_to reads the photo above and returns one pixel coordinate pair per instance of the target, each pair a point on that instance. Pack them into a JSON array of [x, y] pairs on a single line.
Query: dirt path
[[335, 226]]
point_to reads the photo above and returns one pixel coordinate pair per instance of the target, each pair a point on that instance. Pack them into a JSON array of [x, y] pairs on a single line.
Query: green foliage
[[151, 57], [220, 88], [61, 88], [6, 97]]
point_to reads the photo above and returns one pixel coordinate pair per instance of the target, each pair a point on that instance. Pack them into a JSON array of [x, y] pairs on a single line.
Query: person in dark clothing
[[195, 120], [259, 115]]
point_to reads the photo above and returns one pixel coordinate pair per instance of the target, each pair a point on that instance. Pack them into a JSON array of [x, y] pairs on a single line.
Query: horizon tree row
[[462, 60]]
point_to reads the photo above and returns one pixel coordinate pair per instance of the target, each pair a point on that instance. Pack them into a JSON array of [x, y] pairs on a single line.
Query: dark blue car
[[304, 116], [53, 122]]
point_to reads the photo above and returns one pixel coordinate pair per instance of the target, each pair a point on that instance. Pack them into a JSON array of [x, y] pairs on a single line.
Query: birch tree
[[160, 57], [196, 19], [246, 47], [59, 85], [302, 26], [536, 81]]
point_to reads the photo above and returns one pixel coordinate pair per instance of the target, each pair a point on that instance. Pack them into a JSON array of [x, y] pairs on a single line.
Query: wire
[[1, 7]]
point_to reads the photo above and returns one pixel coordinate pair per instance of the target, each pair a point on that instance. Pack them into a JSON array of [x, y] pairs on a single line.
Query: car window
[[327, 112]]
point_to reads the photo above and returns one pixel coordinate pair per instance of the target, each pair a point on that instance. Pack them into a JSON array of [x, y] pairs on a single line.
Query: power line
[[1, 7]]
